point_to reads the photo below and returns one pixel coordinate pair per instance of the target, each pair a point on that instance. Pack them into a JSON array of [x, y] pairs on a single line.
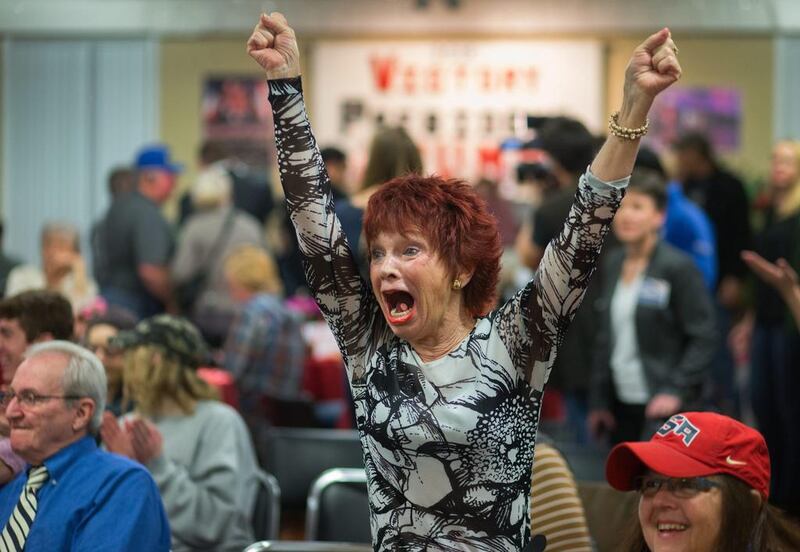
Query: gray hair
[[84, 376], [62, 229], [212, 188]]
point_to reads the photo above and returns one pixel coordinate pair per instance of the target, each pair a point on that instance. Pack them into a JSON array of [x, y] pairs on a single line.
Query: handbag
[[187, 293]]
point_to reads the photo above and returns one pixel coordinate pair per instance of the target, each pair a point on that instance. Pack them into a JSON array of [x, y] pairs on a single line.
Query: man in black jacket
[[722, 196]]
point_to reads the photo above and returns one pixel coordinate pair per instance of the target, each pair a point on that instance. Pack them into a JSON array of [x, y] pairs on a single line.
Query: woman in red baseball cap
[[704, 485]]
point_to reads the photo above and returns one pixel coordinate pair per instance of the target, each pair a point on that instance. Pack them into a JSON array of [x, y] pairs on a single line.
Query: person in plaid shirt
[[265, 350]]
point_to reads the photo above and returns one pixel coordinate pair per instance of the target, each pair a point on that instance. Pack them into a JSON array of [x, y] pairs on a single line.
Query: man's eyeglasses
[[682, 487], [30, 398]]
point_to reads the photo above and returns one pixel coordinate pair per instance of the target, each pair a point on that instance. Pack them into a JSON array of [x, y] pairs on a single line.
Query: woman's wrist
[[633, 113]]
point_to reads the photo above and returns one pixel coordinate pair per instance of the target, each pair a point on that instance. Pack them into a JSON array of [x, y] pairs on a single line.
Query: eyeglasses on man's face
[[29, 398], [681, 487]]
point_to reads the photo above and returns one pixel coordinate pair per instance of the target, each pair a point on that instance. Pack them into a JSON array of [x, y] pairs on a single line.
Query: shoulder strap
[[222, 237]]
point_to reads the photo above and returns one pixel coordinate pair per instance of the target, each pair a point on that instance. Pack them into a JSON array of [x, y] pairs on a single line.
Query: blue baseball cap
[[156, 156]]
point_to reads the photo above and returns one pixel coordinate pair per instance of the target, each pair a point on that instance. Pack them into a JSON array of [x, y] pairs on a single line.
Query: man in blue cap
[[135, 241]]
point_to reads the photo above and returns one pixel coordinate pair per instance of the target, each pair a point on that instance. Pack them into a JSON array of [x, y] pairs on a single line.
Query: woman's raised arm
[[652, 68], [550, 301], [331, 273]]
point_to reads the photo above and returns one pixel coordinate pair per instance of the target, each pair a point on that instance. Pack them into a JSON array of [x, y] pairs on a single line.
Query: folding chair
[[266, 517], [338, 507]]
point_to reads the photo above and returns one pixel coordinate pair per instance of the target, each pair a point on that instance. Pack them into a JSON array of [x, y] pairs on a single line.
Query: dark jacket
[[723, 197], [675, 328]]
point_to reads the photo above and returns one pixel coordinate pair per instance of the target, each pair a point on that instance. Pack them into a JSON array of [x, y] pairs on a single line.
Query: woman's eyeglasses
[[682, 487], [30, 398], [104, 350]]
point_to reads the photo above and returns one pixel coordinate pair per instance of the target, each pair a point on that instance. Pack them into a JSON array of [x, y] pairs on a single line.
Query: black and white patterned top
[[448, 444]]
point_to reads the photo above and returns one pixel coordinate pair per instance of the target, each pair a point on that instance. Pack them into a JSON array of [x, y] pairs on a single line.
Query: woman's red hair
[[456, 222]]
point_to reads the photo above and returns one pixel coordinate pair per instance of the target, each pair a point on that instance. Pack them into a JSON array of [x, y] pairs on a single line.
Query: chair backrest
[[338, 507], [587, 462], [609, 513], [296, 546], [297, 456], [266, 518]]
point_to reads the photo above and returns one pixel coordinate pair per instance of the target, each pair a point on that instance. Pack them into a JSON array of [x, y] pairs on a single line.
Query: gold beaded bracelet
[[624, 132]]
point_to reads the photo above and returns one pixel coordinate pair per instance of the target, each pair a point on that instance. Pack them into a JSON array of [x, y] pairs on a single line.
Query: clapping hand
[[274, 47], [138, 440], [115, 438], [780, 275], [662, 405], [148, 443]]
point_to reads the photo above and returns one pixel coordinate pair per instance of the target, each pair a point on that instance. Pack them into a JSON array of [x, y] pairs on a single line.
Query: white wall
[[71, 111], [786, 117]]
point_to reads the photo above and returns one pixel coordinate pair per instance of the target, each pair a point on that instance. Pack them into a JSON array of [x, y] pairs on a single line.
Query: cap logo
[[680, 426], [733, 462]]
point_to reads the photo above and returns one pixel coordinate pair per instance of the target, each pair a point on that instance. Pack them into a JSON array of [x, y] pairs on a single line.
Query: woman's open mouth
[[401, 306]]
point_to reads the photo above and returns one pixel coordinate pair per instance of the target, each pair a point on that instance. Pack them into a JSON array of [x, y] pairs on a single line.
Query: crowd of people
[[117, 433]]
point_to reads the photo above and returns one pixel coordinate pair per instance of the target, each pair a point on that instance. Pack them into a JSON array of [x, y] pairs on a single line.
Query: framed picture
[[237, 115], [714, 111]]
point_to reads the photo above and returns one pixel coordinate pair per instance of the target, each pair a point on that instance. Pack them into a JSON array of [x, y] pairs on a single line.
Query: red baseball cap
[[694, 444]]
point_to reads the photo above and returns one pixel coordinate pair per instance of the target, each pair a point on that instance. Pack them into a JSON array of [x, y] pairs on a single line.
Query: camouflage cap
[[175, 335]]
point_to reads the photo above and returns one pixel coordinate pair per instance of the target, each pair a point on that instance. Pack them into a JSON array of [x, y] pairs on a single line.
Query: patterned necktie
[[19, 524]]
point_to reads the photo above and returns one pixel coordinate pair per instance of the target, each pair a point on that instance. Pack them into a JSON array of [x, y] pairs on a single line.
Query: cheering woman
[[447, 392]]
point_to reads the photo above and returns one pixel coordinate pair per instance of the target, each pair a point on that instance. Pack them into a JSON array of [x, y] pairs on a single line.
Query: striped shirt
[[556, 509]]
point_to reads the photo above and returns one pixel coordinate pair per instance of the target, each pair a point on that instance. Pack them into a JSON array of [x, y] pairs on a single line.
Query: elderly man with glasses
[[72, 496]]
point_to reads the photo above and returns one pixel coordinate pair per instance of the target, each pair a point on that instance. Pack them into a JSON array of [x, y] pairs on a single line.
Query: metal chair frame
[[294, 546], [268, 482], [324, 481]]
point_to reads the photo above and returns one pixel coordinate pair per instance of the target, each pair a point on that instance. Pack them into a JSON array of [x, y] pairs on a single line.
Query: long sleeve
[[202, 497], [239, 344], [188, 254], [735, 233], [331, 272], [600, 388], [536, 319], [695, 316], [129, 525]]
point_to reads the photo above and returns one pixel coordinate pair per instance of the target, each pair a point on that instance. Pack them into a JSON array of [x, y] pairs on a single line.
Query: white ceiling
[[397, 17]]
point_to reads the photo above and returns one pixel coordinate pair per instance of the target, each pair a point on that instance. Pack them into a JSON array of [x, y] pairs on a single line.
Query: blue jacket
[[688, 228]]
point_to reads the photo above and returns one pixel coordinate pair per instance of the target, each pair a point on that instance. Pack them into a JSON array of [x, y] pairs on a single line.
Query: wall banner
[[458, 100]]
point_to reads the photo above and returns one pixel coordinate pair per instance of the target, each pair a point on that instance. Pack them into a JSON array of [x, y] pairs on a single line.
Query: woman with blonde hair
[[197, 449], [775, 341]]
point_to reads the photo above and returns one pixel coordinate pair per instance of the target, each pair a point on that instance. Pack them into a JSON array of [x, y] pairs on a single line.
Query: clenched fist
[[274, 46], [653, 66]]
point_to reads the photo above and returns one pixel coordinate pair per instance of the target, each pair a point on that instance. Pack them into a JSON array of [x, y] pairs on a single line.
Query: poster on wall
[[713, 111], [458, 100], [236, 114]]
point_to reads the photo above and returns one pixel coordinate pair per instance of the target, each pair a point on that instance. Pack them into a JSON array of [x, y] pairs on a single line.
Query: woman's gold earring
[[456, 284]]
